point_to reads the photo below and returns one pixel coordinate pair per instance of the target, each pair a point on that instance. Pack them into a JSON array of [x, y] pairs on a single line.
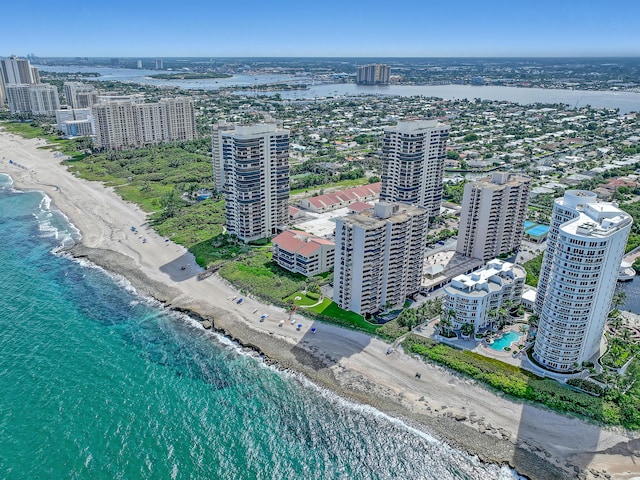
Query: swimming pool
[[505, 341]]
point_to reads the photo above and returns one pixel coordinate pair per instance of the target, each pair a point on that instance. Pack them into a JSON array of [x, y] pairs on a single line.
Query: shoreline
[[536, 442]]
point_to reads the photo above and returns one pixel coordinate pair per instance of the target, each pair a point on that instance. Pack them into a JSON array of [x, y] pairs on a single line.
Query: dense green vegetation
[[612, 408], [453, 192], [619, 350], [335, 185], [532, 267], [633, 209]]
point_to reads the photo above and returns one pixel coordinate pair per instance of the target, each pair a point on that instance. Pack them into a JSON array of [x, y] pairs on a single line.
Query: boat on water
[[626, 272]]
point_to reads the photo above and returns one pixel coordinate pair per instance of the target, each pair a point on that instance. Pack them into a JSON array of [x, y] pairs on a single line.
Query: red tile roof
[[345, 196], [304, 243], [360, 206]]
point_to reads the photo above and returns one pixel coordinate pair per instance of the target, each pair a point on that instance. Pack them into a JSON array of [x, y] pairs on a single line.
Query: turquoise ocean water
[[99, 383]]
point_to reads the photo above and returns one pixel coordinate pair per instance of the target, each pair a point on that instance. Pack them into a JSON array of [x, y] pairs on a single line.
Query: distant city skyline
[[332, 29]]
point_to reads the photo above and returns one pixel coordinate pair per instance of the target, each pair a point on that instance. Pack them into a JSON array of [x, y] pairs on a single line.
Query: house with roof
[[341, 199], [303, 253]]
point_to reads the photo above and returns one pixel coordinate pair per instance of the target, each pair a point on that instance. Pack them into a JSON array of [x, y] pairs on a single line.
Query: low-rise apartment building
[[472, 297], [303, 253]]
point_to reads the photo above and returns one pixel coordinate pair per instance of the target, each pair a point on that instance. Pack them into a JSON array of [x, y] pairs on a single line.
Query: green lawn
[[329, 311], [25, 130], [333, 186], [304, 300]]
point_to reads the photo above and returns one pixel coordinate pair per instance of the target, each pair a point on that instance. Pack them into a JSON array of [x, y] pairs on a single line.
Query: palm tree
[[618, 299], [616, 321], [493, 315], [447, 321], [502, 314], [423, 312], [436, 307], [467, 329]]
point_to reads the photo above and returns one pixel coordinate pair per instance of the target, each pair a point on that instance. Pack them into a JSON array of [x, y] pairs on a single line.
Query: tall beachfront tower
[[255, 161], [379, 257], [579, 271], [14, 70], [413, 157], [493, 213], [41, 99], [18, 70], [217, 130], [126, 123]]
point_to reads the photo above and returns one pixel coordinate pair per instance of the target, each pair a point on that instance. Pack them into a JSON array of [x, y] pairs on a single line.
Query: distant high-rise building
[[379, 257], [413, 157], [39, 99], [374, 74], [159, 64], [14, 70], [586, 242], [18, 97], [80, 95], [139, 64], [493, 213], [124, 123], [115, 62], [35, 75], [3, 92], [255, 160]]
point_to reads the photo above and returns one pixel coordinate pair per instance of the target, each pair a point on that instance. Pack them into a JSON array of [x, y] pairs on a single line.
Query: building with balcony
[[413, 155], [303, 253], [374, 74], [586, 242], [379, 257], [217, 130], [255, 164], [127, 123], [40, 99], [80, 95], [494, 210], [472, 297], [14, 70]]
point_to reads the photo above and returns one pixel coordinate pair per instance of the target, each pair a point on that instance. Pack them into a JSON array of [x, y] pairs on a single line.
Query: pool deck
[[479, 346]]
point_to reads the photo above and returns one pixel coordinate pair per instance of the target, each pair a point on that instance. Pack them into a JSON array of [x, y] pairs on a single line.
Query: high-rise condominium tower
[[413, 163], [379, 257], [14, 70], [41, 99], [216, 148], [374, 74], [493, 213], [255, 160], [125, 123], [580, 267], [18, 70], [80, 95]]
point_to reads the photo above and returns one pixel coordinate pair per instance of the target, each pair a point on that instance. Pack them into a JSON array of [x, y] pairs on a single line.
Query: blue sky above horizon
[[406, 28]]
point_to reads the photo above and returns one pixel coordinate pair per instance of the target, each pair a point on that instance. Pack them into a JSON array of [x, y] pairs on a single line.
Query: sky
[[331, 28]]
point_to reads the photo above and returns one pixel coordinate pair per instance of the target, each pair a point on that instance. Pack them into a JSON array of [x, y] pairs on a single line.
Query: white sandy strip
[[105, 221]]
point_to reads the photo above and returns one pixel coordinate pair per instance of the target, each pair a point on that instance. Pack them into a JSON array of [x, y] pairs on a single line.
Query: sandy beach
[[538, 443]]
